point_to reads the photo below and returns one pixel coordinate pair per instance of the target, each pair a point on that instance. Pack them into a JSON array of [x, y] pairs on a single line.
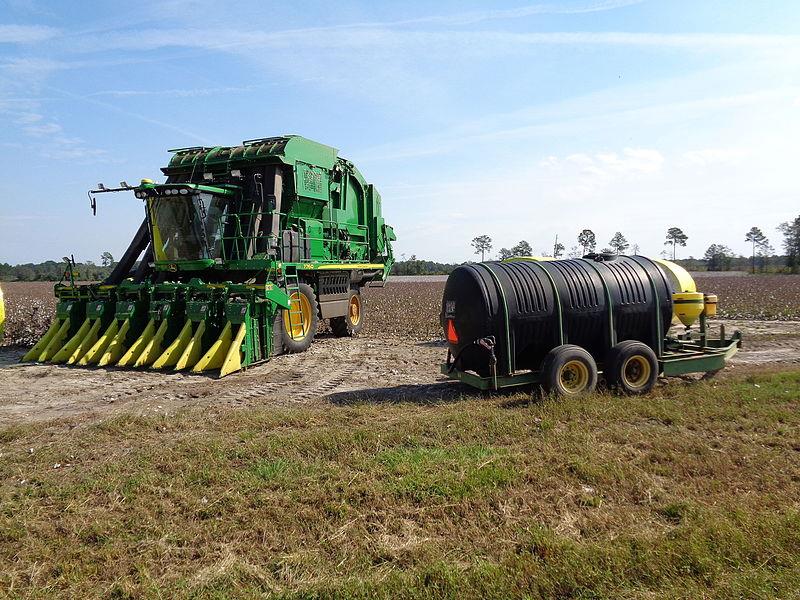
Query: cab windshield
[[188, 227]]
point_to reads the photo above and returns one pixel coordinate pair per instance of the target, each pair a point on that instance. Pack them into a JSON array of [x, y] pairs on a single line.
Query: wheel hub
[[636, 371], [574, 376], [354, 309], [297, 320]]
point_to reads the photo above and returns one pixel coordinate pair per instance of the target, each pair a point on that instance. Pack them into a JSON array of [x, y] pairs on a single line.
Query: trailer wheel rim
[[354, 309], [636, 371], [296, 327], [574, 376]]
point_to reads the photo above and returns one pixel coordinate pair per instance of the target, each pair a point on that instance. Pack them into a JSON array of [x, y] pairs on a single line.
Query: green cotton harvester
[[242, 250]]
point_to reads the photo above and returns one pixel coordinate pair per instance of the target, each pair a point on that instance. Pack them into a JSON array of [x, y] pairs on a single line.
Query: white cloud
[[628, 109], [715, 156], [469, 18], [24, 71], [27, 118], [26, 34], [700, 41], [73, 149], [384, 36], [44, 129], [604, 168], [175, 93]]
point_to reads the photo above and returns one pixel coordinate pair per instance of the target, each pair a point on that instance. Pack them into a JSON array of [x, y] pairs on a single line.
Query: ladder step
[[292, 286]]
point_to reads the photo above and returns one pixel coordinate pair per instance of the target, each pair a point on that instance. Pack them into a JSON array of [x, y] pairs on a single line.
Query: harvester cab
[[187, 223], [241, 252]]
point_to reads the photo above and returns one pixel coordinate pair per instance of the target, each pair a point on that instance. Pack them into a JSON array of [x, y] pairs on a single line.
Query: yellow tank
[[687, 306], [678, 276], [529, 258], [710, 301]]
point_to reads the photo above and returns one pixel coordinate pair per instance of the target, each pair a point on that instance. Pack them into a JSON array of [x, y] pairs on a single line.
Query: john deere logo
[[172, 267]]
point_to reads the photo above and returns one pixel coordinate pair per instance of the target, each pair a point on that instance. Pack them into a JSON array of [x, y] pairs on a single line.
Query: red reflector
[[452, 336]]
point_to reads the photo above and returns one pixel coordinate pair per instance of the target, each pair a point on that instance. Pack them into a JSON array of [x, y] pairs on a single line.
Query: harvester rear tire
[[569, 370], [631, 368], [297, 344], [353, 322]]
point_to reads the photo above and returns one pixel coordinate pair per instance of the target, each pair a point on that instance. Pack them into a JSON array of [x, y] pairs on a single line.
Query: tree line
[[51, 270], [718, 257]]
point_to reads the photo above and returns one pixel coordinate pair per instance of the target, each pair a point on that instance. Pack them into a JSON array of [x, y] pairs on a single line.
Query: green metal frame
[[690, 353], [689, 358], [492, 383]]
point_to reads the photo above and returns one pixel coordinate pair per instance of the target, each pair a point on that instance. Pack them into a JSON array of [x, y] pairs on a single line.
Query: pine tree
[[482, 244], [587, 241], [758, 239], [675, 237], [618, 243], [522, 249]]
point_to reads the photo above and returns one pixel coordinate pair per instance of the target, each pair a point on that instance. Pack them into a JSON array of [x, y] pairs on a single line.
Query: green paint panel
[[312, 181], [96, 309], [199, 311]]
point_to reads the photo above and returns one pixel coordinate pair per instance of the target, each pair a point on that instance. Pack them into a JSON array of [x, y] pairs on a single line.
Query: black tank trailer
[[565, 323]]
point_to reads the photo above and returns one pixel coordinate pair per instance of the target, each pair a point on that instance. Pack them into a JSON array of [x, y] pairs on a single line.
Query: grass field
[[690, 493]]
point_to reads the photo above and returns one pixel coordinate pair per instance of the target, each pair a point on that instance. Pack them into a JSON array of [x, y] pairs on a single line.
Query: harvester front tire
[[631, 368], [353, 322], [293, 343], [569, 370], [277, 334]]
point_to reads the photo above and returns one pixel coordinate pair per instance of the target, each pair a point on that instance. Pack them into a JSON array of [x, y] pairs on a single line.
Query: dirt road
[[334, 370]]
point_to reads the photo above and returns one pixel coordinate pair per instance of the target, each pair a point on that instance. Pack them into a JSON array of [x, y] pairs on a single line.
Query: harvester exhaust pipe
[[277, 195], [143, 268], [125, 265]]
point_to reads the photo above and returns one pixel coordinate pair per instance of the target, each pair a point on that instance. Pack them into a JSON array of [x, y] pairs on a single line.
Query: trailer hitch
[[487, 343]]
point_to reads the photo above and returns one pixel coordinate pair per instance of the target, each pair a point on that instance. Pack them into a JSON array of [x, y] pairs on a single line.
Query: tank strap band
[[562, 338], [659, 331], [509, 355], [612, 331]]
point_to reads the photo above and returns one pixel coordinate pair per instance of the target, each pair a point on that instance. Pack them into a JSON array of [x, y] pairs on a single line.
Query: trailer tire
[[631, 368], [353, 322], [569, 370], [299, 338]]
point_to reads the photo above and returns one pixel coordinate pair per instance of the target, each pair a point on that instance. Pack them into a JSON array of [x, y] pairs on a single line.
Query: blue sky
[[518, 120]]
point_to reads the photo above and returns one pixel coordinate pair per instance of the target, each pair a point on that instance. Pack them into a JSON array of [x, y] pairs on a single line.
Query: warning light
[[452, 336]]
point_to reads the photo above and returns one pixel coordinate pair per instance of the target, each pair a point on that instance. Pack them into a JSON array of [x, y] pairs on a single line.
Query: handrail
[[236, 244]]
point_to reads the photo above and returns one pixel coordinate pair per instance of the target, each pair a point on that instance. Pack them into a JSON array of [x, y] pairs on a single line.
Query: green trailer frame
[[690, 352], [687, 353]]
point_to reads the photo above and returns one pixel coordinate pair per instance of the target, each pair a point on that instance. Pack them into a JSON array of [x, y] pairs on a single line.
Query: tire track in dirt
[[299, 383], [378, 367], [762, 352], [328, 385]]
